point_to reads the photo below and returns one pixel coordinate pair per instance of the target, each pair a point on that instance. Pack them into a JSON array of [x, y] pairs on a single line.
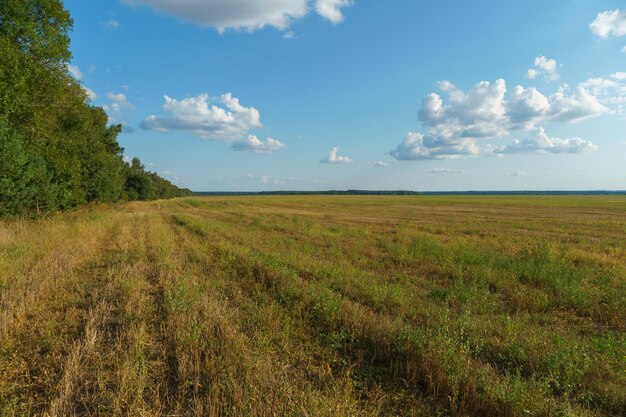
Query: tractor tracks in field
[[89, 341], [302, 298], [85, 385]]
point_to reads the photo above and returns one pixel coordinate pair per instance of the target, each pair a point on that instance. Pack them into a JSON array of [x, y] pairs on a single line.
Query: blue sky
[[248, 95]]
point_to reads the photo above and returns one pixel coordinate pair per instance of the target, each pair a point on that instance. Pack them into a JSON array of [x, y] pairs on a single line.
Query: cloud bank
[[247, 15], [456, 121]]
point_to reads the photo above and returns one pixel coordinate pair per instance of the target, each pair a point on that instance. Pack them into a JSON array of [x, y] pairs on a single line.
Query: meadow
[[317, 306]]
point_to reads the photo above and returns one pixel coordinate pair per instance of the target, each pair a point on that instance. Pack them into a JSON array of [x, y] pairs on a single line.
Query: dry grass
[[317, 306]]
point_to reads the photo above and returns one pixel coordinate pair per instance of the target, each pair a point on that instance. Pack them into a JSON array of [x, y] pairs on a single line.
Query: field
[[317, 306]]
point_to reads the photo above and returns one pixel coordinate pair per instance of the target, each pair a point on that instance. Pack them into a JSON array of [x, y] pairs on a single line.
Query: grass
[[317, 306]]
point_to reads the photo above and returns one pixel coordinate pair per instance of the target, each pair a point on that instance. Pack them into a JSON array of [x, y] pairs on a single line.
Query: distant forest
[[406, 192], [57, 151]]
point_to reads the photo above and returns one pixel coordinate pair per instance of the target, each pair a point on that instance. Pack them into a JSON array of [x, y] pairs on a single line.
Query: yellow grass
[[317, 306]]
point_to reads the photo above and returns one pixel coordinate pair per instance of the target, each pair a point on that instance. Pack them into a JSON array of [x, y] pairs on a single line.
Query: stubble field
[[317, 306]]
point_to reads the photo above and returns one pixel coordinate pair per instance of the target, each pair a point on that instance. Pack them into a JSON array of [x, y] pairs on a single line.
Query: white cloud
[[247, 15], [455, 126], [624, 50], [527, 106], [223, 118], [578, 106], [91, 95], [546, 67], [609, 23], [478, 113], [610, 93], [446, 171], [119, 102], [331, 9], [540, 142], [116, 109], [620, 76], [111, 24], [333, 158], [452, 128], [271, 179], [74, 71], [598, 86], [417, 147], [379, 164], [256, 145], [517, 173]]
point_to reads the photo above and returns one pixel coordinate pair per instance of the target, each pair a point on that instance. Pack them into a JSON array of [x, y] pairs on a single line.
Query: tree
[[23, 177], [57, 150], [39, 28]]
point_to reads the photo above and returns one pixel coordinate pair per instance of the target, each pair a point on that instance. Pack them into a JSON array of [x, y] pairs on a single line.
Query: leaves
[[57, 150]]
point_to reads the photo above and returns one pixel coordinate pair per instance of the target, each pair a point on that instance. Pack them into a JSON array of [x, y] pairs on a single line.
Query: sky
[[452, 95]]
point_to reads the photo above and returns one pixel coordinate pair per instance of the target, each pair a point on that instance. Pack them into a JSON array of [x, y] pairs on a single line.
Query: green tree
[[23, 177], [57, 150]]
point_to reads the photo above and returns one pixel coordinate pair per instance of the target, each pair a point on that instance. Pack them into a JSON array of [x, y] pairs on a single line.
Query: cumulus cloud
[[333, 158], [475, 113], [331, 9], [222, 118], [527, 106], [611, 93], [624, 50], [379, 164], [446, 171], [119, 102], [598, 86], [256, 145], [578, 106], [546, 67], [609, 23], [454, 126], [247, 15], [117, 107], [74, 71], [540, 142], [417, 146]]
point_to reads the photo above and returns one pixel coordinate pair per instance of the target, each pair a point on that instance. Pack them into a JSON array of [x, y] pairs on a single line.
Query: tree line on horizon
[[57, 151]]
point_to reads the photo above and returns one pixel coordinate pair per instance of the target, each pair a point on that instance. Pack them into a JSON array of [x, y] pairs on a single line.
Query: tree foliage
[[57, 151]]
